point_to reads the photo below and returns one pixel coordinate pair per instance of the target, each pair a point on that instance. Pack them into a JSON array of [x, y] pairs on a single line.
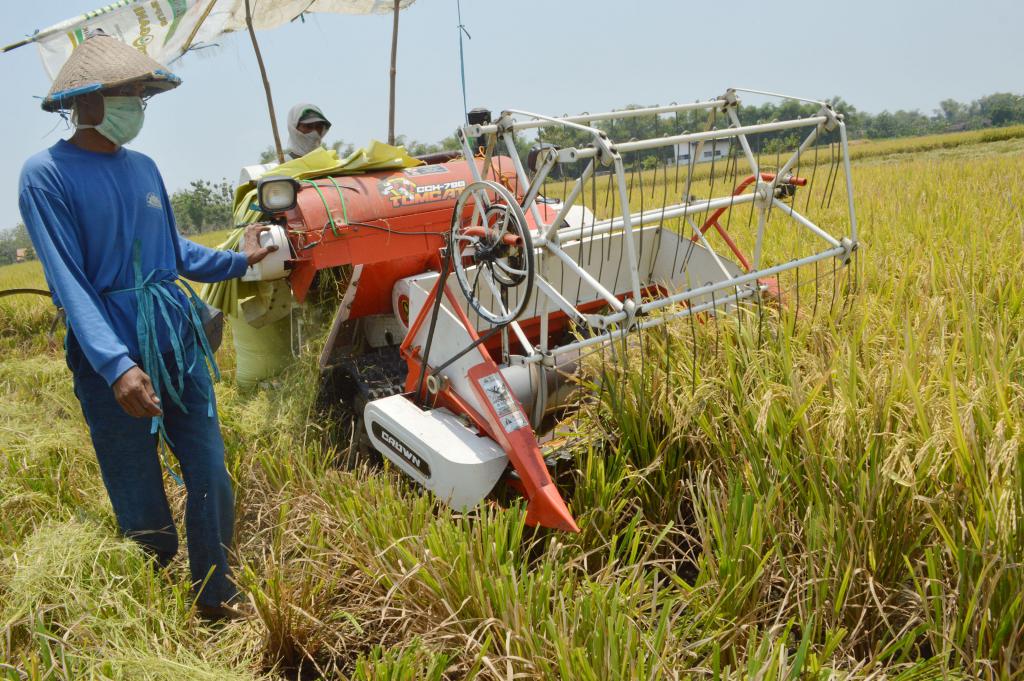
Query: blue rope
[[156, 300], [462, 61]]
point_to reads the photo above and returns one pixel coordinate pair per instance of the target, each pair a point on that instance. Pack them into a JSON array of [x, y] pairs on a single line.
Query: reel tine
[[814, 173], [739, 313], [593, 223], [667, 352], [796, 298], [832, 303], [856, 269], [835, 179], [756, 172], [778, 325], [850, 277], [622, 251], [675, 188], [732, 194], [664, 204], [826, 196], [693, 365], [714, 315], [778, 167], [640, 186], [689, 185], [760, 318], [817, 292], [675, 192]]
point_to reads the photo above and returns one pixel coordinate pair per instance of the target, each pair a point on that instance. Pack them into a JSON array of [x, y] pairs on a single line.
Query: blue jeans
[[133, 475]]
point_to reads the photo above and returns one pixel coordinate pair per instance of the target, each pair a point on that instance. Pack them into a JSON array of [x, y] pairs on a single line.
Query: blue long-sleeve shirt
[[84, 211]]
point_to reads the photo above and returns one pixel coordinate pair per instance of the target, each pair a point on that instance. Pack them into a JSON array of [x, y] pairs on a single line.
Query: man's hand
[[134, 392], [251, 244]]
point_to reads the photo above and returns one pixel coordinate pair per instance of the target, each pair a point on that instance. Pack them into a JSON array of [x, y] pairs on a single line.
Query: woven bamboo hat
[[102, 62]]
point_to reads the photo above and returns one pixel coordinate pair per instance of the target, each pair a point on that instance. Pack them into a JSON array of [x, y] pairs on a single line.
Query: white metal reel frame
[[494, 238], [630, 305]]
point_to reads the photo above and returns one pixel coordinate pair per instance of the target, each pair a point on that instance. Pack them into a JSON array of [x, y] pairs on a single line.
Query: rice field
[[831, 489]]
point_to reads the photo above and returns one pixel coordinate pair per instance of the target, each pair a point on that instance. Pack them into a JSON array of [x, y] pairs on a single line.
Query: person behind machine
[[101, 223], [307, 127]]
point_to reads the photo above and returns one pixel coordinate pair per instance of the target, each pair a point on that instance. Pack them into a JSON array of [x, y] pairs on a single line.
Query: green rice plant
[[47, 660], [408, 662], [738, 554], [838, 434], [77, 603]]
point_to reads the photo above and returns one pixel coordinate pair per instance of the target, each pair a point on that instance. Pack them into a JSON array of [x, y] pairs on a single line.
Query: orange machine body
[[389, 222], [391, 225]]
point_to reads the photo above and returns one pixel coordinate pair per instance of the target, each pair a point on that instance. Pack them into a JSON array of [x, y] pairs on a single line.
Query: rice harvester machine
[[473, 293]]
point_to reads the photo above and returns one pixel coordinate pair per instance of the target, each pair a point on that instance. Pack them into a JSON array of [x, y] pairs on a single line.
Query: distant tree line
[[204, 207], [997, 110], [10, 241]]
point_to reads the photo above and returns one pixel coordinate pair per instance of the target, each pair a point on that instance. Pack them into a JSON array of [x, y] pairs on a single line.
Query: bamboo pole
[[394, 70], [14, 46], [266, 82], [66, 25], [195, 29]]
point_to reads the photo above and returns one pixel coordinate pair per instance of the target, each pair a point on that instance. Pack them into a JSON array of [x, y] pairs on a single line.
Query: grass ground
[[831, 491]]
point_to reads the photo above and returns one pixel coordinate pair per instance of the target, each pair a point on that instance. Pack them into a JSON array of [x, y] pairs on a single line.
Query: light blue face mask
[[122, 119]]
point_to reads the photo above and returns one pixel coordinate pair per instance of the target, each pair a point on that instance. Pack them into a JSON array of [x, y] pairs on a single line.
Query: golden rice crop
[[831, 489]]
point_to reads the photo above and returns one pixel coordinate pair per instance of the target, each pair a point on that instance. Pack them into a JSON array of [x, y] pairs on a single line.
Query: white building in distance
[[711, 150]]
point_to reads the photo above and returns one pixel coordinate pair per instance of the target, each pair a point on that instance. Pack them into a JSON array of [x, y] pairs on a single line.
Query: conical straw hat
[[101, 62]]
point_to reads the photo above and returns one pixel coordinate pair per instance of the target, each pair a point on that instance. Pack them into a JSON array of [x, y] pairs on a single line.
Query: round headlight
[[277, 195]]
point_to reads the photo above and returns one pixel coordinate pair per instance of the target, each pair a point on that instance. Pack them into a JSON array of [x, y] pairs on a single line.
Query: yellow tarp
[[260, 302]]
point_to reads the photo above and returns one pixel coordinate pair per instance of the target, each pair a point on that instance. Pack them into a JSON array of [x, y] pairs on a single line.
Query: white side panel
[[435, 449], [683, 264], [603, 257], [450, 337]]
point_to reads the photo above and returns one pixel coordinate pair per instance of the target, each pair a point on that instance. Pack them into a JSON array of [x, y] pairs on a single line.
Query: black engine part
[[345, 388]]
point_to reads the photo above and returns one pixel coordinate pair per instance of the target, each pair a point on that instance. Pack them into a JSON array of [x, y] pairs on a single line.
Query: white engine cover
[[435, 449], [255, 172], [273, 266]]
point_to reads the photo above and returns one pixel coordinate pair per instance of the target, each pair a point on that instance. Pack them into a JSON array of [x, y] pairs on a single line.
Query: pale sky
[[547, 56]]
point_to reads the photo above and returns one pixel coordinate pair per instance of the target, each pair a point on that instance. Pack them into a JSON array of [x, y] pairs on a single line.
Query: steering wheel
[[492, 250]]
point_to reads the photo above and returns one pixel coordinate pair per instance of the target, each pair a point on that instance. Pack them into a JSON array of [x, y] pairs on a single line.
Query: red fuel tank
[[389, 222]]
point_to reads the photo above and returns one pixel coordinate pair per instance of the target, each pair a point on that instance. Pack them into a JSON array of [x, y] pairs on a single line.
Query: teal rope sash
[[156, 300]]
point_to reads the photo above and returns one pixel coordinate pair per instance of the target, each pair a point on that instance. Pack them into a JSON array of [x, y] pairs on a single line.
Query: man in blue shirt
[[101, 223]]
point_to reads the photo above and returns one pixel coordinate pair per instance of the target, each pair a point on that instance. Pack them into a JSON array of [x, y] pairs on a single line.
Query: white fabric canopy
[[272, 13], [166, 29]]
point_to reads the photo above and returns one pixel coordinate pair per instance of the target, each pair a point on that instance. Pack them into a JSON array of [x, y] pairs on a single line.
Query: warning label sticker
[[509, 414]]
